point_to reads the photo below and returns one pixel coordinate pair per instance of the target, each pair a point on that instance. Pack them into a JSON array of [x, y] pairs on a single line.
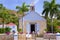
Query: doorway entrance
[[32, 27]]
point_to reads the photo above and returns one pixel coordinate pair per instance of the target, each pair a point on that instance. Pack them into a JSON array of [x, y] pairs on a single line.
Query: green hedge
[[7, 29], [4, 30]]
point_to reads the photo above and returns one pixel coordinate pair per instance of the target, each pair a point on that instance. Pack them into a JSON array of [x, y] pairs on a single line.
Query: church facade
[[32, 21]]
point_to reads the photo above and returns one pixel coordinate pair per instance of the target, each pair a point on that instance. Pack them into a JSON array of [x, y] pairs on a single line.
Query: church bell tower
[[32, 8]]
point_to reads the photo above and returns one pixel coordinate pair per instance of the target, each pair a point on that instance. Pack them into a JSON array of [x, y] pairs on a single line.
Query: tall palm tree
[[21, 10], [50, 9]]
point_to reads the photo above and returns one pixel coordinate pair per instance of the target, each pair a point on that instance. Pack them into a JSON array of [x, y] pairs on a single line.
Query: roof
[[58, 26], [11, 24], [32, 15]]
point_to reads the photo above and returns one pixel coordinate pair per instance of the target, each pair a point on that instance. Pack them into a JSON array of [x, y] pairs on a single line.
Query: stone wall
[[6, 37], [21, 37], [49, 35], [10, 37]]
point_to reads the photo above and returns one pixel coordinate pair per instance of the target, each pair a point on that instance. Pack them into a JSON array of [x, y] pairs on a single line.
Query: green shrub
[[57, 30], [7, 29], [4, 30], [20, 30]]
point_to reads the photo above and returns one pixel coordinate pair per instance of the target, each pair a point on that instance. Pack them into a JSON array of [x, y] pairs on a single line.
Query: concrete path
[[41, 39], [44, 39]]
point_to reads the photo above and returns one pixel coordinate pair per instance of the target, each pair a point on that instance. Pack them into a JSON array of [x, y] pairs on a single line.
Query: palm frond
[[46, 4], [58, 5], [43, 11], [18, 7]]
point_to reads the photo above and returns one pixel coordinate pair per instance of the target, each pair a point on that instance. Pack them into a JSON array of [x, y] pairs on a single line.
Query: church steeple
[[32, 8]]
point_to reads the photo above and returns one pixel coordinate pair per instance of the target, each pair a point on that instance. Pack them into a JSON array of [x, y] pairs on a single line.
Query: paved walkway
[[44, 39], [41, 39]]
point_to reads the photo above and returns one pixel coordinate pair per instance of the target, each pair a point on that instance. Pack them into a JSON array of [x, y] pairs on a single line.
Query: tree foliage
[[22, 9], [6, 16], [55, 25], [51, 9]]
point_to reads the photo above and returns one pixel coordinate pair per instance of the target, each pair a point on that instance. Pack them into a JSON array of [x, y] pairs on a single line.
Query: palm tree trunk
[[22, 23], [52, 24], [3, 23], [18, 23], [3, 26]]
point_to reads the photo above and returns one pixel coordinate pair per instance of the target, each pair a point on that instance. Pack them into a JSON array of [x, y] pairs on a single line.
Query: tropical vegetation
[[22, 9], [6, 16], [51, 9], [5, 30]]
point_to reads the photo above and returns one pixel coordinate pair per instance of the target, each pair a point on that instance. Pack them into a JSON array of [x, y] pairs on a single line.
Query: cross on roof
[[32, 2]]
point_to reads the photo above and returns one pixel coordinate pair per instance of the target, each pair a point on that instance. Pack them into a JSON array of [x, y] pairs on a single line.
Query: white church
[[32, 21]]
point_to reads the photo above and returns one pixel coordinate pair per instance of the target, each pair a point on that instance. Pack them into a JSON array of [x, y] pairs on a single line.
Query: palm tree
[[50, 10], [21, 10]]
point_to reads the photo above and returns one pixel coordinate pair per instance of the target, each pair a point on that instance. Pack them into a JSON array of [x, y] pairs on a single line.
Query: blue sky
[[11, 4]]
